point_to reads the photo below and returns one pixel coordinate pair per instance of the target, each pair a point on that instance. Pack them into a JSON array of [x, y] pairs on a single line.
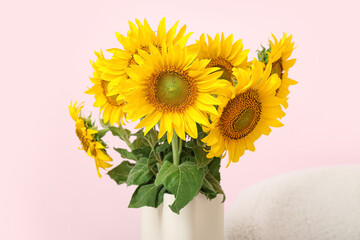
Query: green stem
[[127, 141], [153, 142], [126, 138], [153, 136], [175, 149], [148, 141], [157, 156], [180, 146]]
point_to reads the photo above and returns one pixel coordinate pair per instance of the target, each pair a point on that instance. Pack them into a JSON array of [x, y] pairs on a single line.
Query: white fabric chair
[[314, 204]]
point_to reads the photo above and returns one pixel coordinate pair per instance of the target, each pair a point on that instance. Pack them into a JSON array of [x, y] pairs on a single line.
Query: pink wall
[[50, 190]]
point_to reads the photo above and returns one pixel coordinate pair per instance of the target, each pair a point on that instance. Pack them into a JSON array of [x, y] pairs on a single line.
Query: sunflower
[[172, 87], [139, 37], [278, 57], [246, 115], [91, 144], [223, 54], [110, 106]]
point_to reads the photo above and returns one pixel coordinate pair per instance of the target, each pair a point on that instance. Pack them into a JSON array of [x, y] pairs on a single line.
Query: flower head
[[224, 54], [108, 102], [90, 142], [278, 57], [246, 115], [172, 87]]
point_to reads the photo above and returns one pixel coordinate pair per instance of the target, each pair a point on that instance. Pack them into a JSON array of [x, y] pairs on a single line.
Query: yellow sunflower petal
[[246, 115], [170, 89]]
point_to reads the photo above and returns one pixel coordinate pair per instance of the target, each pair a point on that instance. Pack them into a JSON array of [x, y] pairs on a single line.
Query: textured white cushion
[[315, 204]]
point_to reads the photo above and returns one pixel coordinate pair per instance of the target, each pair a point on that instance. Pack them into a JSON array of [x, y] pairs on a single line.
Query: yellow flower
[[224, 54], [140, 37], [110, 106], [278, 57], [94, 148], [246, 115], [173, 87]]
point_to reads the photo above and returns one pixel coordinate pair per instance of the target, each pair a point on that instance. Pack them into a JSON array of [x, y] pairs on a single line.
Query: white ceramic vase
[[201, 219]]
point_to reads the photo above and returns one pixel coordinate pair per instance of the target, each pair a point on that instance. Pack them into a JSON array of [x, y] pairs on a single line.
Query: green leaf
[[190, 144], [152, 161], [187, 158], [126, 154], [128, 132], [142, 151], [187, 151], [102, 132], [160, 197], [208, 190], [140, 173], [215, 184], [184, 181], [211, 185], [263, 54], [208, 187], [166, 170], [120, 173], [162, 147], [163, 138], [199, 152], [214, 168], [200, 157], [138, 143], [104, 125], [147, 195], [88, 123], [120, 132], [201, 133], [168, 157], [139, 134]]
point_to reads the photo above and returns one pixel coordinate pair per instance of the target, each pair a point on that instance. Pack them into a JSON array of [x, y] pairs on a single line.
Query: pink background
[[50, 190]]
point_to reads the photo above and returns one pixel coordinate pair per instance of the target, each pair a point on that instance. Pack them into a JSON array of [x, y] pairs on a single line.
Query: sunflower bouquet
[[193, 103]]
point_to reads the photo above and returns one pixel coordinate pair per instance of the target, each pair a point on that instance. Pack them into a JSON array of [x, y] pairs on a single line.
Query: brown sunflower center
[[93, 152], [241, 115], [171, 90], [277, 68], [132, 61], [244, 120], [83, 139], [225, 67], [110, 99]]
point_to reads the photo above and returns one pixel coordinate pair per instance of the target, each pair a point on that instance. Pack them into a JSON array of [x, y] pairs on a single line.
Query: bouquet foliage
[[193, 103]]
